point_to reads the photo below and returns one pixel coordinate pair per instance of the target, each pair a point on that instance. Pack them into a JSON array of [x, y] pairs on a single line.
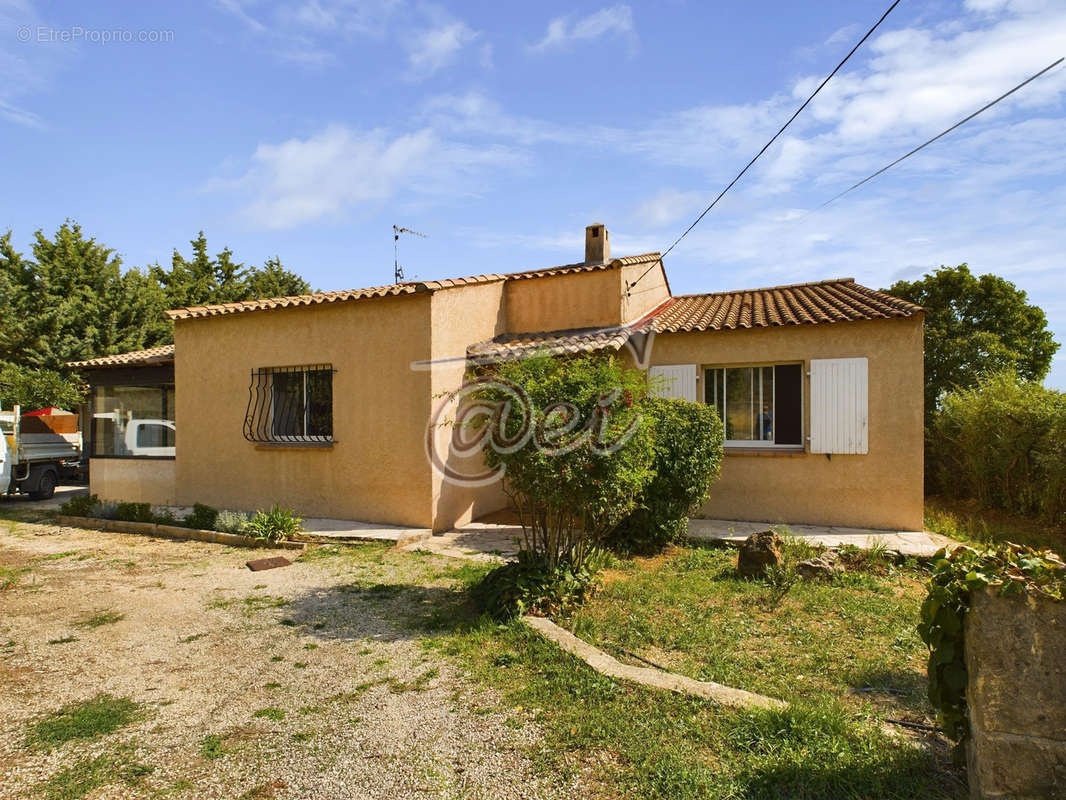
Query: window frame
[[742, 445], [89, 434], [305, 438]]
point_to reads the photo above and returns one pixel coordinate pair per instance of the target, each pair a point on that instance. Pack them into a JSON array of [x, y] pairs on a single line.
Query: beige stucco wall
[[882, 489], [133, 480], [375, 471], [650, 291], [580, 300], [461, 316]]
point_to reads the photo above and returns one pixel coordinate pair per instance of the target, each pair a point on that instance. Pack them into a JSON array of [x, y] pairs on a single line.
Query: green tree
[[273, 280], [201, 279], [39, 388], [975, 326]]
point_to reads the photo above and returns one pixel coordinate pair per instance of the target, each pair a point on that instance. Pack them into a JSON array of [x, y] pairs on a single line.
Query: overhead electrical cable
[[772, 140], [942, 134]]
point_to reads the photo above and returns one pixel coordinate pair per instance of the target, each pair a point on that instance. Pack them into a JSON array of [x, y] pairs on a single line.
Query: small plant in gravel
[[86, 775], [102, 618], [201, 517], [232, 522], [211, 747], [9, 577], [272, 713], [82, 505], [87, 719], [274, 525]]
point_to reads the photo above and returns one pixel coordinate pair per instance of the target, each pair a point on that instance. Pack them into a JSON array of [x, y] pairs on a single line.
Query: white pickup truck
[[32, 461]]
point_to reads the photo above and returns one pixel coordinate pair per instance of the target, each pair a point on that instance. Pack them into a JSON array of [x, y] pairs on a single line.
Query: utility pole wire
[[772, 140], [958, 124]]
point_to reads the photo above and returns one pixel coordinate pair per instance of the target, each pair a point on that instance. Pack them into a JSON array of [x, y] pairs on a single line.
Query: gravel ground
[[203, 643]]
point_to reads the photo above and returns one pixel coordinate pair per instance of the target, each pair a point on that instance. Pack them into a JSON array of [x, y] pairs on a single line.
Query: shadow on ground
[[384, 611]]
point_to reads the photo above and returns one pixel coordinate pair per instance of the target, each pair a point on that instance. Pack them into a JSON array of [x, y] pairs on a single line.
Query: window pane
[[320, 403], [116, 408], [741, 397], [287, 390], [714, 390], [789, 407], [765, 408]]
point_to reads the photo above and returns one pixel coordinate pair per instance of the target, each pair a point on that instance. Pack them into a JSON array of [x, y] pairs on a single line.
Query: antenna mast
[[397, 270]]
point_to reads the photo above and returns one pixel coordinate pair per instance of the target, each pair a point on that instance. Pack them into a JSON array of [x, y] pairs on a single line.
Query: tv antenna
[[397, 270]]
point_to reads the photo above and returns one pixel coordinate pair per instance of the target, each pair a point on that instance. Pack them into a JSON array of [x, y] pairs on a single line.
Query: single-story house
[[325, 402]]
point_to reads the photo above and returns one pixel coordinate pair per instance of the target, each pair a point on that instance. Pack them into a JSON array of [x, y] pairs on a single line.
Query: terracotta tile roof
[[838, 300], [153, 355], [396, 289], [578, 340]]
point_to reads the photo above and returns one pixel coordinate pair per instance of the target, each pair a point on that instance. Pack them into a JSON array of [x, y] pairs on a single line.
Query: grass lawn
[[966, 521], [845, 655]]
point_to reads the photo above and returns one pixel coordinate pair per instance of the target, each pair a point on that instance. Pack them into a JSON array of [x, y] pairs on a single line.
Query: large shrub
[[1001, 442], [574, 450], [688, 458]]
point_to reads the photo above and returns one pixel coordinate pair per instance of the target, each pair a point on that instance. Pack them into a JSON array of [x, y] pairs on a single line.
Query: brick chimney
[[597, 245]]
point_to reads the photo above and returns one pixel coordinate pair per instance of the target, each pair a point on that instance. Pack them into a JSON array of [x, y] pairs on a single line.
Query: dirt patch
[[304, 682]]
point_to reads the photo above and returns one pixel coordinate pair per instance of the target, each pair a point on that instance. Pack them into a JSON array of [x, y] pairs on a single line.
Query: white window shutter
[[839, 405], [678, 380]]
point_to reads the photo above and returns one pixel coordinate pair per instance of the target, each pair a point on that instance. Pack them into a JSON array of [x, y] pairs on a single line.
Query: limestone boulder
[[758, 552]]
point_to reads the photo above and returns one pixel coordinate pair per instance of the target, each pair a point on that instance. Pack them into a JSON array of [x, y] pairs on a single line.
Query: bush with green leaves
[[573, 446], [1003, 443], [134, 512], [532, 585], [1005, 569], [688, 458], [274, 525], [201, 517], [232, 521], [81, 505]]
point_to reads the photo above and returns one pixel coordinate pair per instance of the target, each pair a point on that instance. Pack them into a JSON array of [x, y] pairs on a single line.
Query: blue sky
[[307, 128]]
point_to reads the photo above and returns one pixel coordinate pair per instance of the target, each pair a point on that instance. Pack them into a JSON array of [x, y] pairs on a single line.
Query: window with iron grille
[[290, 404]]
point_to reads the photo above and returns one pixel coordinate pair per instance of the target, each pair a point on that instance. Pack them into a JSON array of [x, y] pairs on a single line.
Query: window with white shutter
[[839, 405], [677, 380]]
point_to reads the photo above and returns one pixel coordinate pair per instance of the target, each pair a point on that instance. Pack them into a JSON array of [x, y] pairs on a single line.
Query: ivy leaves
[[1007, 569]]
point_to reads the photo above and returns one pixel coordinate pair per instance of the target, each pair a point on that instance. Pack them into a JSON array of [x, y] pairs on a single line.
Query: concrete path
[[669, 681], [906, 543], [478, 541], [339, 531]]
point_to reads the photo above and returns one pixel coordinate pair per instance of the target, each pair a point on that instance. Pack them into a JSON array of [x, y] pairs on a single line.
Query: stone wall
[[1016, 659]]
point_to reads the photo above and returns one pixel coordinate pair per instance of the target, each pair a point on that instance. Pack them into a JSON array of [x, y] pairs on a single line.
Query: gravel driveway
[[310, 681]]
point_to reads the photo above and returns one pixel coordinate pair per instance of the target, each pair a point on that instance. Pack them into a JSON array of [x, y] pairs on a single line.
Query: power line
[[773, 139], [958, 124]]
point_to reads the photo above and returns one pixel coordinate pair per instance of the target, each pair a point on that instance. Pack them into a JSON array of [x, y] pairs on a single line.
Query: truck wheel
[[46, 486]]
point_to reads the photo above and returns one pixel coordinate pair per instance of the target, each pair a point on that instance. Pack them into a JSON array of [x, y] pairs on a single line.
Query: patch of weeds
[[194, 637], [58, 556], [108, 617], [87, 719], [300, 665], [419, 684], [310, 711], [63, 640], [272, 685], [288, 622], [86, 775], [302, 736], [9, 577], [272, 713], [259, 602], [263, 791], [211, 747], [310, 646], [319, 552], [276, 659]]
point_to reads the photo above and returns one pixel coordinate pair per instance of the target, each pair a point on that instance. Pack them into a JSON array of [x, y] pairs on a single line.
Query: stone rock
[[825, 565], [760, 550]]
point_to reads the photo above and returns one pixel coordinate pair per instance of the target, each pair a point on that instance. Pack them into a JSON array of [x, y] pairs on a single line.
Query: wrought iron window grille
[[290, 405]]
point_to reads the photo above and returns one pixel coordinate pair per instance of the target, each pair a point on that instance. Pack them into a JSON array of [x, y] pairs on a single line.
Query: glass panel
[[320, 403], [133, 421], [714, 390], [765, 432], [287, 410], [741, 397]]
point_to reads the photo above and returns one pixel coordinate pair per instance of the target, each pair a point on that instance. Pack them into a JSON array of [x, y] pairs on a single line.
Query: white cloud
[[435, 48], [669, 206], [564, 31], [26, 66], [341, 169]]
